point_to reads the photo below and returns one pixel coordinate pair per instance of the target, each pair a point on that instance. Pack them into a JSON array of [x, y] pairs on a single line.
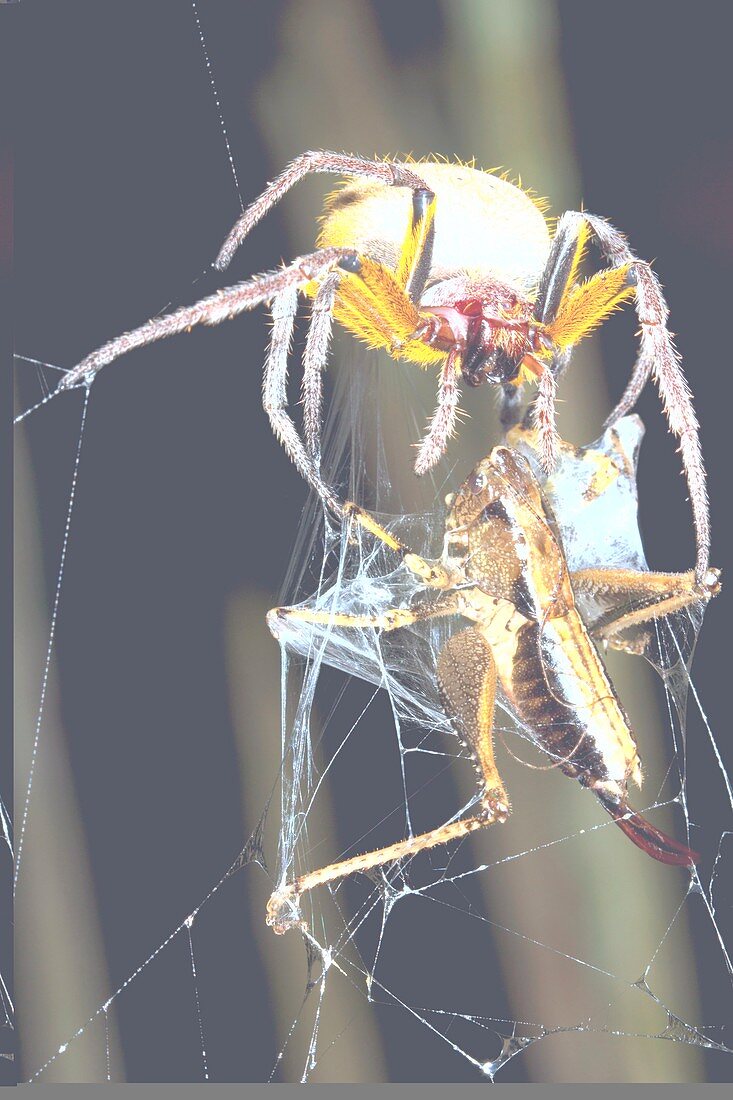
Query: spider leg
[[580, 308], [544, 418], [218, 307], [315, 356], [274, 393], [567, 308], [467, 678], [416, 254], [659, 358], [442, 423], [568, 311], [372, 304], [340, 164], [378, 309]]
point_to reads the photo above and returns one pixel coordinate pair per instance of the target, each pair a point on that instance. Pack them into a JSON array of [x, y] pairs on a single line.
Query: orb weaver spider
[[505, 574], [442, 264]]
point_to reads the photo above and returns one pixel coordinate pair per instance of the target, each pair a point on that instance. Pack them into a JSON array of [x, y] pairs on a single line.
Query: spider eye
[[477, 482]]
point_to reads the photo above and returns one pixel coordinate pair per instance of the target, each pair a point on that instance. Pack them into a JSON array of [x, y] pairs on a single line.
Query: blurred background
[[161, 729]]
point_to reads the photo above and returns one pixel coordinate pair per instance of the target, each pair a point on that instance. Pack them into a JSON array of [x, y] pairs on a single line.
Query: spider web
[[438, 950], [350, 930], [422, 938]]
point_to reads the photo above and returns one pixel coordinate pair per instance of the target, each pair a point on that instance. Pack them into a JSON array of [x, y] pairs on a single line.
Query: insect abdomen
[[561, 692], [542, 705]]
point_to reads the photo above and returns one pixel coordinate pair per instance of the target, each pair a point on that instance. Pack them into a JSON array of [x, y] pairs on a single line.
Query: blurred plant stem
[[60, 966]]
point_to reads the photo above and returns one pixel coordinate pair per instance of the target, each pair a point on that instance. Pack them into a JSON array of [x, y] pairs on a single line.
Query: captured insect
[[443, 264], [505, 571]]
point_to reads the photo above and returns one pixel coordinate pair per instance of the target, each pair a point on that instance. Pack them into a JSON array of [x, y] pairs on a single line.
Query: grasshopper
[[504, 574]]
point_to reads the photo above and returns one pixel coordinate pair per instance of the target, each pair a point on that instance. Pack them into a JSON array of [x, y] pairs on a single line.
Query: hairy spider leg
[[274, 393], [338, 164], [442, 424], [657, 355], [279, 287], [567, 310], [315, 356], [221, 306], [361, 311], [376, 304], [371, 302], [416, 255], [369, 299]]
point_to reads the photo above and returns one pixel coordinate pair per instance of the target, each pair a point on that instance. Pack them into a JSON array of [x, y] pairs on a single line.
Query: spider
[[443, 264], [504, 570]]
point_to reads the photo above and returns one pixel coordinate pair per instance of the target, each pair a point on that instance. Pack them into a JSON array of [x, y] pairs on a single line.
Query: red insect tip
[[650, 839]]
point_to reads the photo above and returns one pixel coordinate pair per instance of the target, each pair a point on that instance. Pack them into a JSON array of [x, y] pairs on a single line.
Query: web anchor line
[[215, 92]]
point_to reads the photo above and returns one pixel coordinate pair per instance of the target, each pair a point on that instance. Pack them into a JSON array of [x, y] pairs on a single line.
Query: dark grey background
[[124, 193]]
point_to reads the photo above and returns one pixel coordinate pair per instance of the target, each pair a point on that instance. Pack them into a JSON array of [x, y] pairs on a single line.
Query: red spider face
[[494, 335]]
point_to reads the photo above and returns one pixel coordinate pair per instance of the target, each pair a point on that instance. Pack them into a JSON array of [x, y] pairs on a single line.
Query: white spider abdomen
[[484, 225]]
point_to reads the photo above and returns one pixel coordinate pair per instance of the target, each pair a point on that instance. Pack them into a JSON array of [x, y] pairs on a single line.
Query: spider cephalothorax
[[442, 264]]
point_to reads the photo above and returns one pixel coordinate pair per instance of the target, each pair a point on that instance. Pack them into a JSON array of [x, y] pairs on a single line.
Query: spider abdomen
[[484, 224]]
